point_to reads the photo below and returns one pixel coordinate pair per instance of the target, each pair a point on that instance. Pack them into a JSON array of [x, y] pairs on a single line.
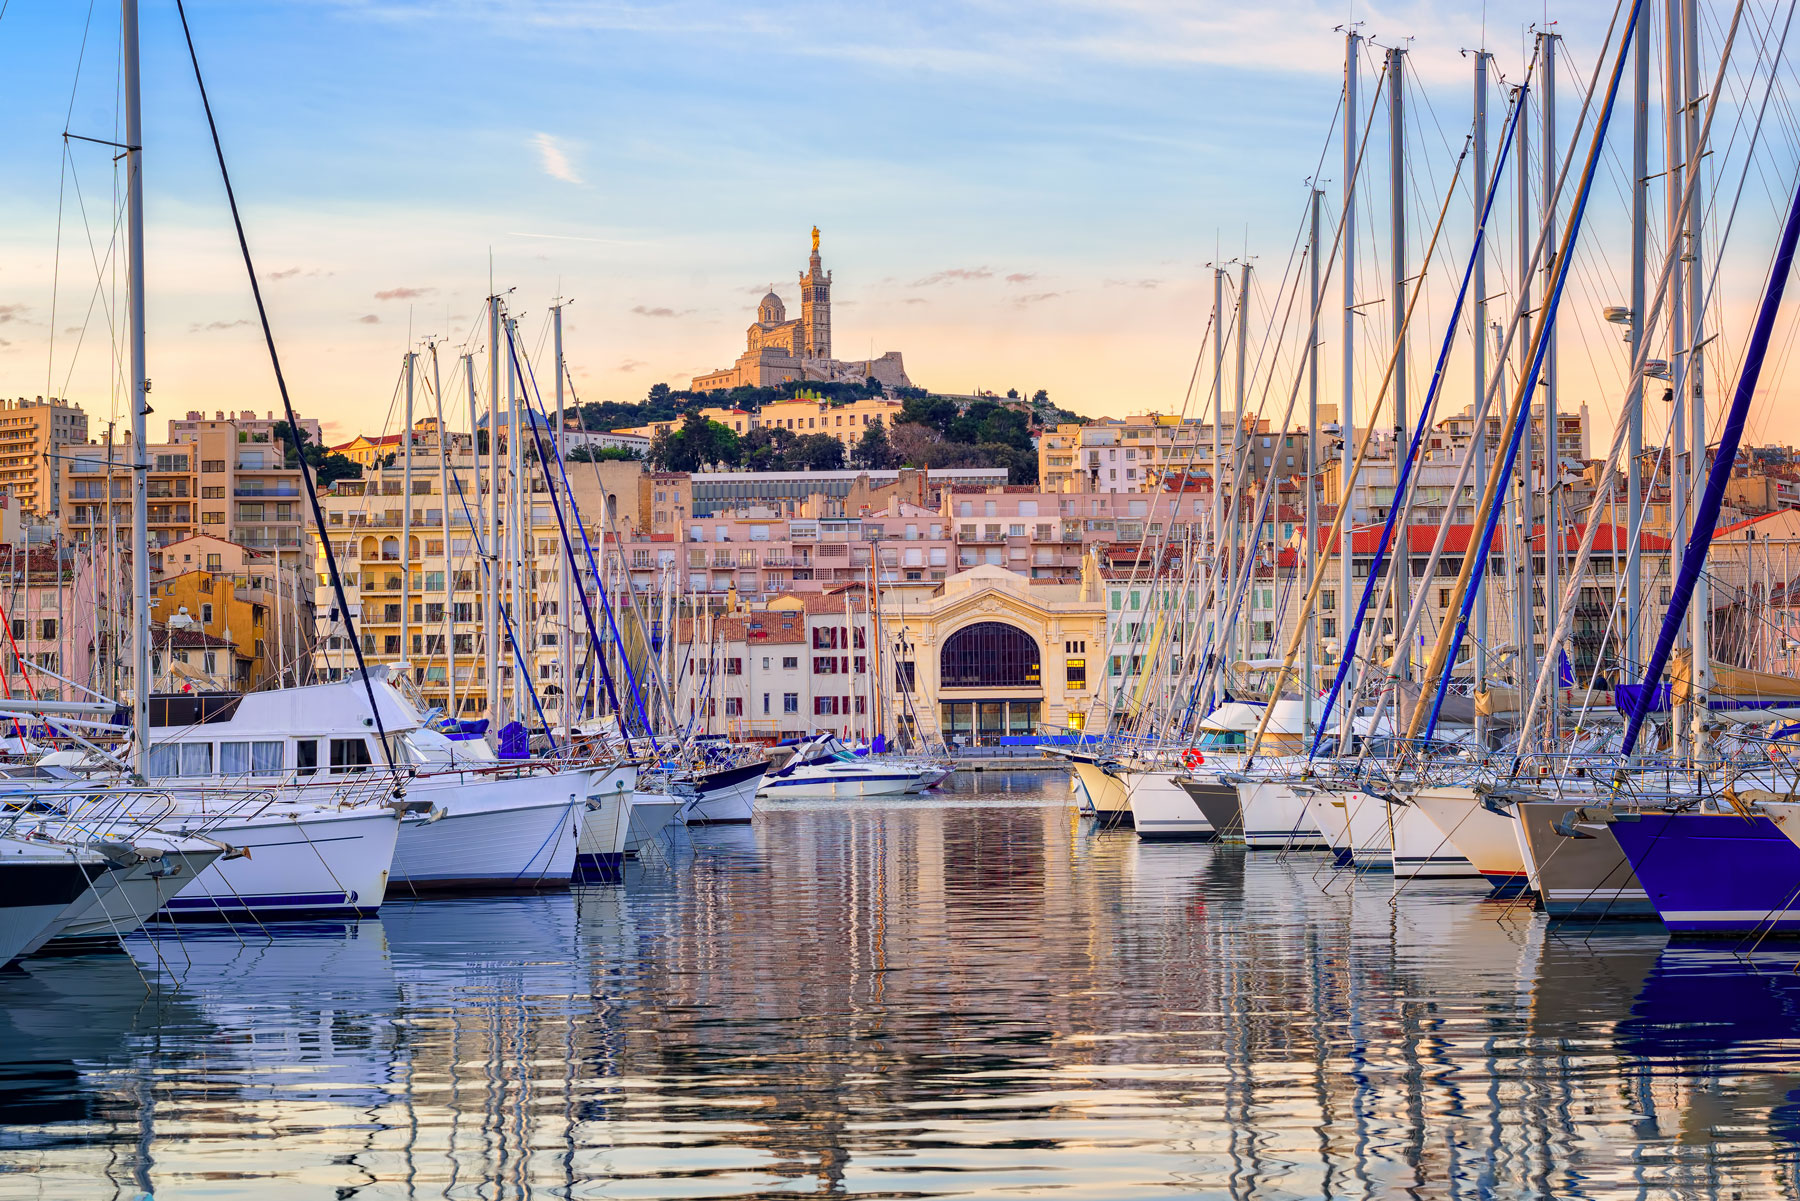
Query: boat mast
[[473, 518], [1402, 560], [564, 627], [490, 584], [443, 457], [1524, 515], [140, 387], [1347, 418], [1217, 635], [1243, 549], [1700, 615], [1310, 684], [1675, 181], [515, 465], [1634, 403], [406, 458], [1478, 354], [1552, 517]]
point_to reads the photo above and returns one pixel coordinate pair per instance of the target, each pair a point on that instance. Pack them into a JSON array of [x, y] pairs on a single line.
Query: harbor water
[[967, 995]]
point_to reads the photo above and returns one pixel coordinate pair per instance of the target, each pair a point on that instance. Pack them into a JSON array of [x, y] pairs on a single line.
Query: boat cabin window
[[306, 756], [250, 758], [181, 759], [349, 754]]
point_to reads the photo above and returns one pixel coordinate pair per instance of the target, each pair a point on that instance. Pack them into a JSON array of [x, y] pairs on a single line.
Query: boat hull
[[1577, 877], [299, 866], [724, 798], [1486, 839], [492, 833], [651, 814], [1161, 810], [36, 894], [846, 783], [1218, 803], [1711, 873], [605, 826], [1276, 817], [1420, 850], [1108, 799], [125, 899], [1371, 833]]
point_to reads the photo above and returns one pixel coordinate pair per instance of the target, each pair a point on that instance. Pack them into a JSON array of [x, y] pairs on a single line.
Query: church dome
[[771, 311]]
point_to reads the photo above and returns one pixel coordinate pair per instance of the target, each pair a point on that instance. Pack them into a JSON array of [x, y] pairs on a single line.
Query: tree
[[1012, 394], [1040, 397], [330, 468], [327, 467], [872, 450], [659, 394], [934, 412], [602, 454], [699, 441], [872, 386], [816, 452]]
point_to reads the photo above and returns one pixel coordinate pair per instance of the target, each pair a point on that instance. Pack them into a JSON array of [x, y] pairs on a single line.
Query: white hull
[[730, 801], [1366, 819], [41, 886], [1106, 796], [1420, 849], [124, 900], [1327, 810], [1487, 840], [484, 832], [1161, 808], [651, 814], [839, 781], [1275, 816], [300, 864], [605, 824]]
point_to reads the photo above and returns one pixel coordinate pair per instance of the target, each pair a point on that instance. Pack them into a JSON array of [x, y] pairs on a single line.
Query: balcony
[[288, 492]]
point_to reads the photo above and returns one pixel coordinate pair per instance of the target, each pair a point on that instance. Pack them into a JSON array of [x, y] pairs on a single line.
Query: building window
[[212, 465], [989, 654], [734, 706], [790, 662], [1075, 673], [206, 614], [790, 702]]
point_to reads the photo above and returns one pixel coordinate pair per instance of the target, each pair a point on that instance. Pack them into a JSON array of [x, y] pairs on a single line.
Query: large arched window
[[989, 654]]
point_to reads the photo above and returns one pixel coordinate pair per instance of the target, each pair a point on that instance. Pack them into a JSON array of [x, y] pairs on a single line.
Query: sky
[[1012, 193]]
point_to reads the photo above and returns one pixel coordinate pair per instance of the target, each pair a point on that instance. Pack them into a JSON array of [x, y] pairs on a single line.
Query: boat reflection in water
[[968, 995]]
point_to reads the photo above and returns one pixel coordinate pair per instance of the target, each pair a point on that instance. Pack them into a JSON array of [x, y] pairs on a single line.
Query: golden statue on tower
[[815, 239]]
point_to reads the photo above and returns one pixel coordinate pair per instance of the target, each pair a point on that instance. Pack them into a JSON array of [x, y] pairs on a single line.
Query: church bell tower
[[815, 305]]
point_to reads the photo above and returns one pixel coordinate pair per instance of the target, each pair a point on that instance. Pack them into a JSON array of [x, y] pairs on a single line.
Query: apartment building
[[844, 420], [32, 434]]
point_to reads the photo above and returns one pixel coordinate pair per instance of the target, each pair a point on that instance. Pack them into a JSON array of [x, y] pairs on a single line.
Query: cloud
[[293, 272], [915, 300], [1021, 277], [72, 329], [631, 365], [553, 159], [12, 312], [1133, 283], [216, 326], [368, 319], [1034, 298], [644, 310], [954, 275], [403, 293], [290, 273]]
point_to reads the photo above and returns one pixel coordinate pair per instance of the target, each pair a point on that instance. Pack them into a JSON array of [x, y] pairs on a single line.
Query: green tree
[[602, 454], [659, 394], [933, 412], [1012, 394], [1040, 397], [817, 452], [873, 450]]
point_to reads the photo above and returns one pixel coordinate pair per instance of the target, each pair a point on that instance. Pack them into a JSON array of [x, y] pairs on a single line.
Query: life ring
[[1192, 758]]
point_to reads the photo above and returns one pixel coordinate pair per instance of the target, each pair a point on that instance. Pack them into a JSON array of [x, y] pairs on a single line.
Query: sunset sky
[[1013, 194]]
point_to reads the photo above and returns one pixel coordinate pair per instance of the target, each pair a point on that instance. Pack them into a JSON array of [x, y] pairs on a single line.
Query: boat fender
[[1192, 758]]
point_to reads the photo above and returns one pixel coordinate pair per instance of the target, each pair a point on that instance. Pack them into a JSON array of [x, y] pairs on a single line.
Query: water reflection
[[963, 996]]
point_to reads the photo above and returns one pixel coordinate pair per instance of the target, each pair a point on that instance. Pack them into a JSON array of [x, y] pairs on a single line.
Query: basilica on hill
[[777, 349]]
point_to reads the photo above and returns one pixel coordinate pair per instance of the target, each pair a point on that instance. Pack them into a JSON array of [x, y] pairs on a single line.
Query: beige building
[[989, 653], [32, 434], [778, 349]]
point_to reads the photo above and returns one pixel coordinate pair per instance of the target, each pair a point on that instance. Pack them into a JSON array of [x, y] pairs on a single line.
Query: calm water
[[965, 996]]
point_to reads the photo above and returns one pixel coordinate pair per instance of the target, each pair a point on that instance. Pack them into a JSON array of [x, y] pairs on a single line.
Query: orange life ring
[[1192, 758]]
